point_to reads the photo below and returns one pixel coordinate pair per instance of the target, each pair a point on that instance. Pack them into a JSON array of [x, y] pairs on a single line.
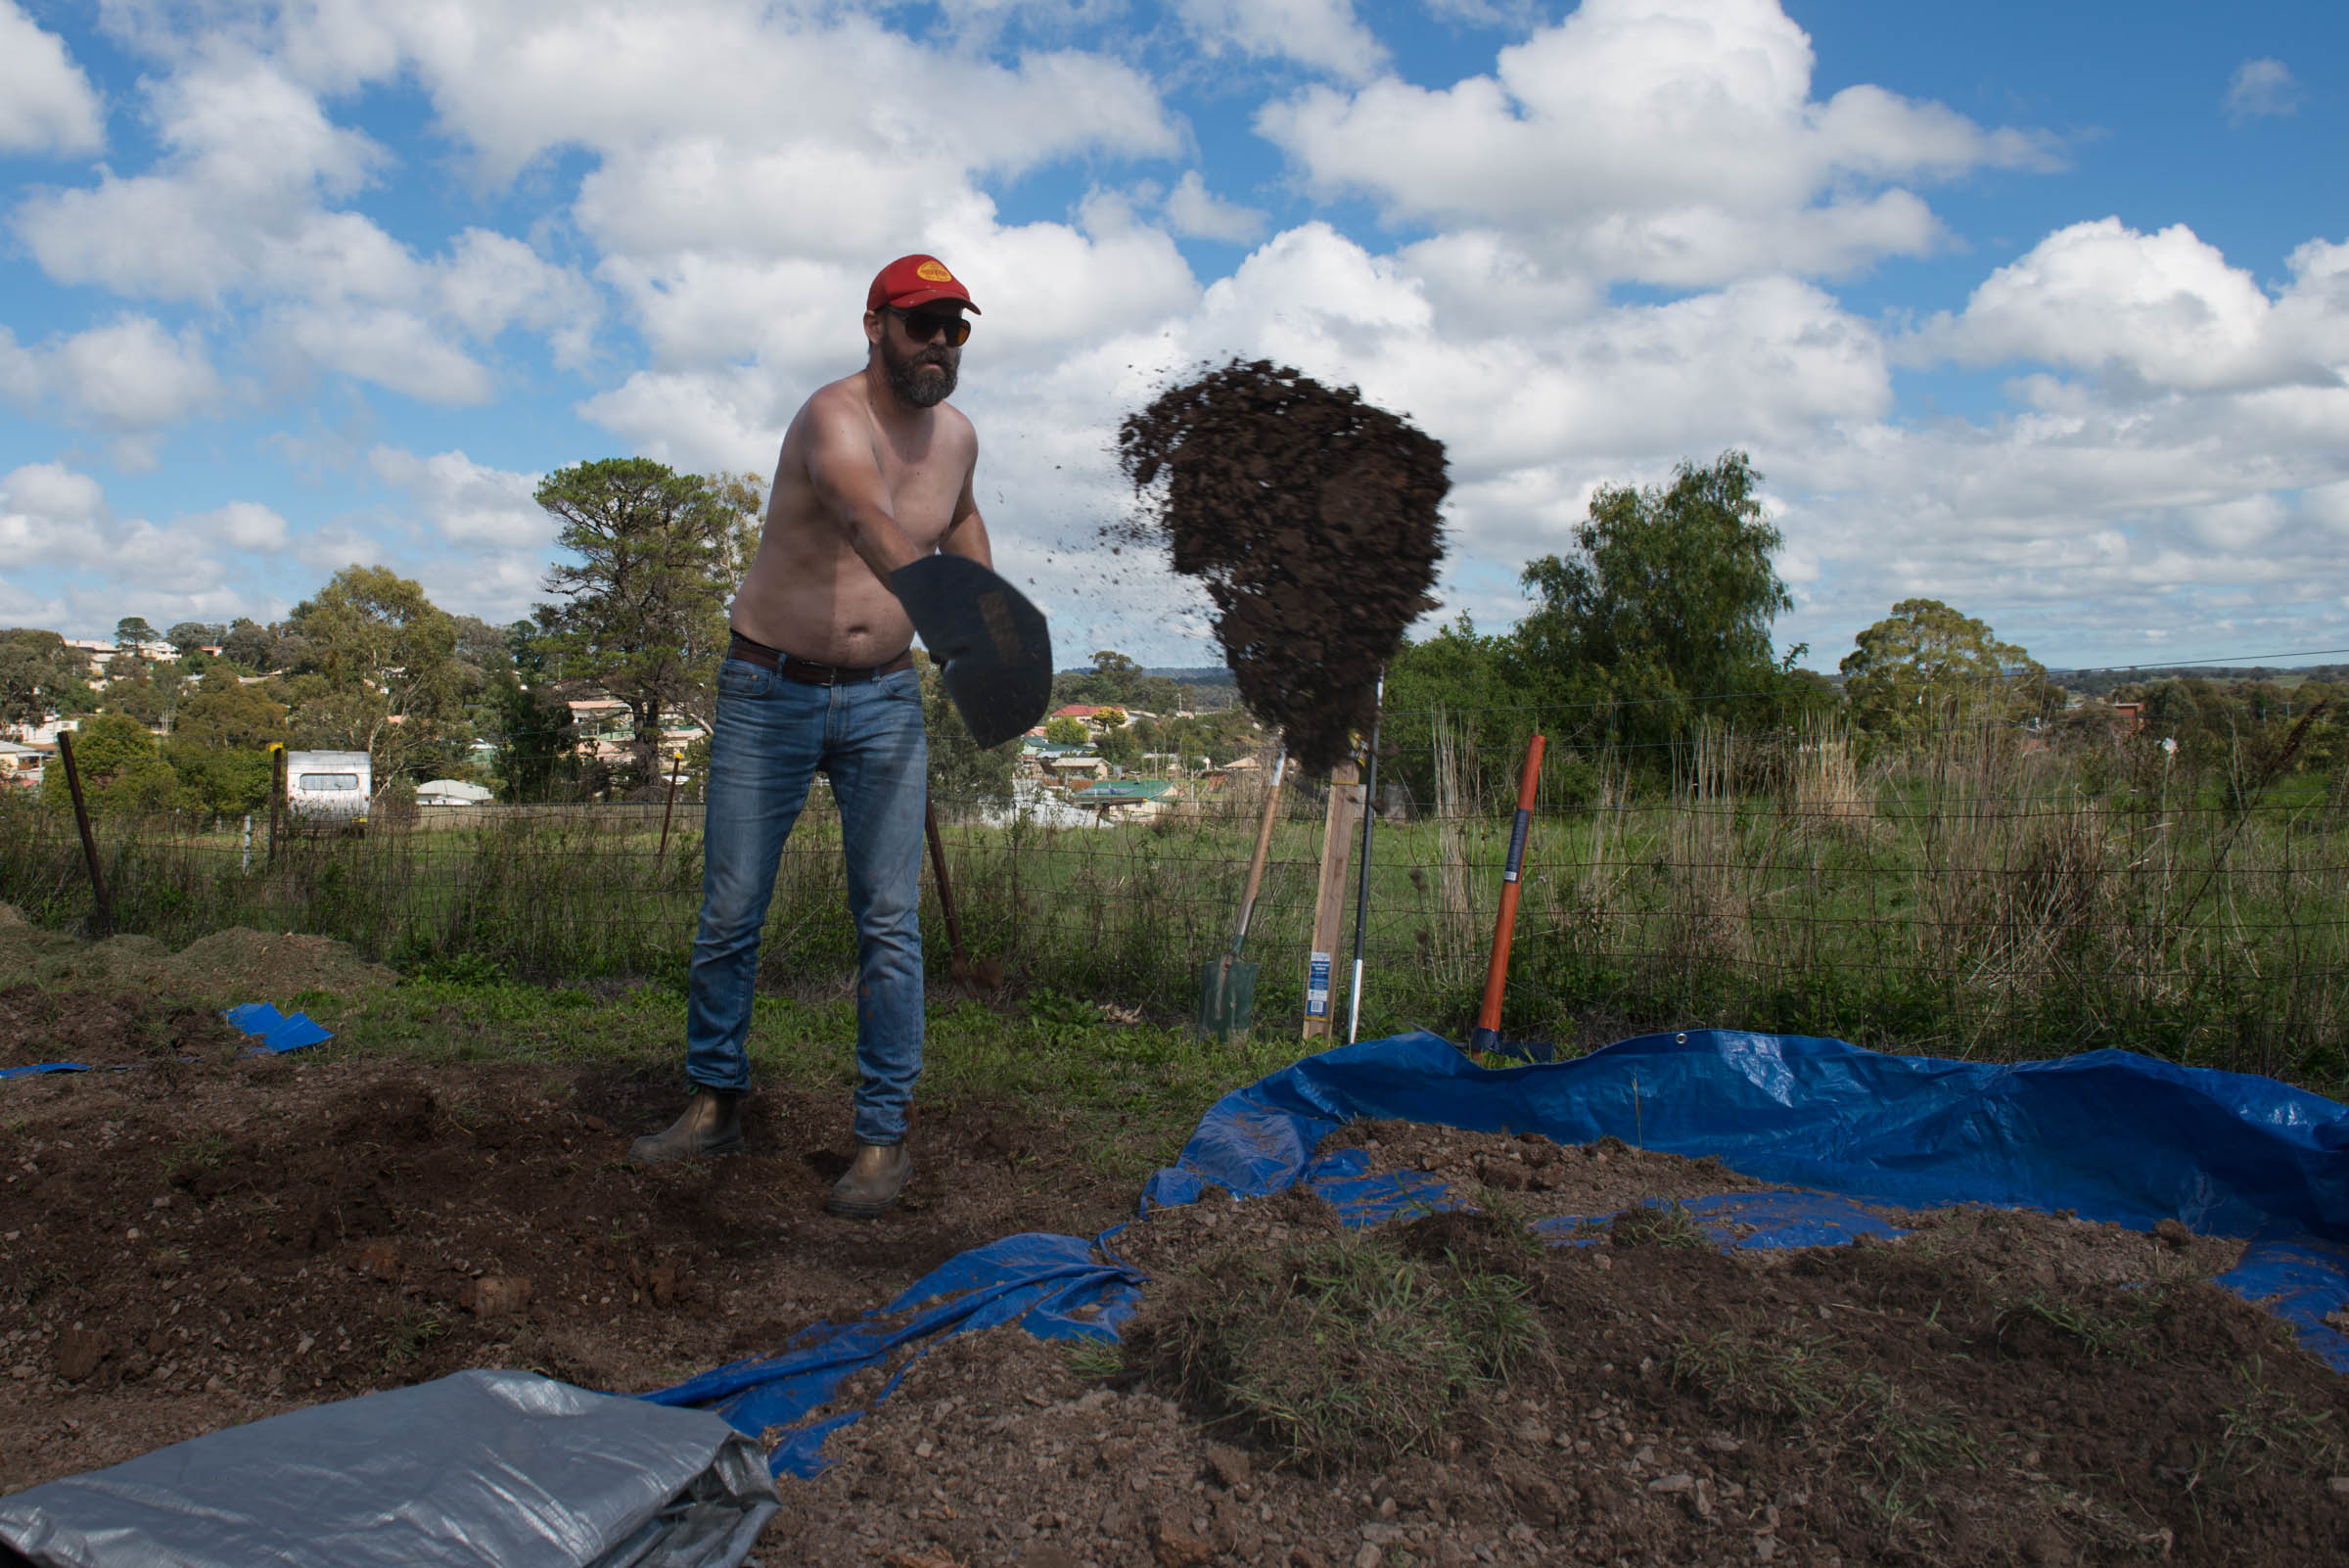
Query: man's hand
[[993, 647]]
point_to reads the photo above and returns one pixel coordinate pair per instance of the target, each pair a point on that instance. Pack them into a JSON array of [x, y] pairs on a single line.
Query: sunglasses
[[923, 325]]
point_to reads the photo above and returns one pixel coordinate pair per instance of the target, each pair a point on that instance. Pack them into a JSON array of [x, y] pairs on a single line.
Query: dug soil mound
[[1311, 516], [233, 1237], [1988, 1388], [228, 966]]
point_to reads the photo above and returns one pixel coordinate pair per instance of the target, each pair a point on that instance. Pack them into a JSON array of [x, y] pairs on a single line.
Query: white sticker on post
[[1317, 987]]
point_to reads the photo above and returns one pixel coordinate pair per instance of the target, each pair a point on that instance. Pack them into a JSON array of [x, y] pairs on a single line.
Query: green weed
[[200, 1152], [1659, 1222], [1095, 1360], [405, 1339], [2100, 1332], [2270, 1428], [1342, 1350]]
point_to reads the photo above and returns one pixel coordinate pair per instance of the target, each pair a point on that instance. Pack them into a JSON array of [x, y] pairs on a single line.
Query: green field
[[1986, 906]]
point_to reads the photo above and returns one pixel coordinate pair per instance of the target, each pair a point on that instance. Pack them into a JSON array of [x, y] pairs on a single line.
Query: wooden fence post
[[89, 840]]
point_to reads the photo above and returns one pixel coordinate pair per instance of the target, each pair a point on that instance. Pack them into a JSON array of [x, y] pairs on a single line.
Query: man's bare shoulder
[[846, 399]]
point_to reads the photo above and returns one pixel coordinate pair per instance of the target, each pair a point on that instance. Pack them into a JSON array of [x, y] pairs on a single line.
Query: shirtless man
[[874, 484]]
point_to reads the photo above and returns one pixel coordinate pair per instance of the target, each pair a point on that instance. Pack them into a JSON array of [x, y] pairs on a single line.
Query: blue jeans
[[772, 735]]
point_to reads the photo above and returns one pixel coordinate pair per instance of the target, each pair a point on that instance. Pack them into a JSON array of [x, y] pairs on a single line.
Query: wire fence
[[1967, 897]]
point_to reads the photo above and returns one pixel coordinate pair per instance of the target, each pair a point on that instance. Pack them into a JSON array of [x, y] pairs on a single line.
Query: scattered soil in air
[[1311, 516]]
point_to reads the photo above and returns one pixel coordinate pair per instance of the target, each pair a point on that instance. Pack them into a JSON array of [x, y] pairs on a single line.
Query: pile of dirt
[[1311, 518], [1991, 1388], [186, 1250], [259, 966], [119, 1029], [235, 965]]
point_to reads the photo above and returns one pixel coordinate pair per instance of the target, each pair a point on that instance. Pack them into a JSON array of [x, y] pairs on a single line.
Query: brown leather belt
[[807, 671]]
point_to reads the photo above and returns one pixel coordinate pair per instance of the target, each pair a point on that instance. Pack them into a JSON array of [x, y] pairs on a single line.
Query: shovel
[[1227, 986], [986, 974]]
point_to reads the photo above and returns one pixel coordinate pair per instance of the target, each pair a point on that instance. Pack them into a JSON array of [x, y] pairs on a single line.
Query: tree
[[224, 716], [132, 630], [961, 773], [381, 674], [223, 781], [192, 636], [535, 736], [642, 611], [1119, 748], [1927, 667], [135, 692], [248, 643], [39, 675], [106, 745], [1663, 615], [1066, 731]]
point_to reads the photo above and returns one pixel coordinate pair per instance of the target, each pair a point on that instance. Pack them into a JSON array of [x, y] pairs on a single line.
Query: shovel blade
[[1227, 997]]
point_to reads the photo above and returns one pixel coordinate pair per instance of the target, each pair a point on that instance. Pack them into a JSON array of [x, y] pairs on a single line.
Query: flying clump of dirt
[[1311, 518]]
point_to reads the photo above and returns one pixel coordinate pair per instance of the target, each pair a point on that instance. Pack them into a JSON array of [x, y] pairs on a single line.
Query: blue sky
[[2039, 310]]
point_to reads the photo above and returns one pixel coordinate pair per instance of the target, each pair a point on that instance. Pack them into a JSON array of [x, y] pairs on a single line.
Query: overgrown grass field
[[1966, 901]]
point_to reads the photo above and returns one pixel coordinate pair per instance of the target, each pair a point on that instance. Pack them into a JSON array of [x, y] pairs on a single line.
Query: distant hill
[[2097, 682], [1191, 674]]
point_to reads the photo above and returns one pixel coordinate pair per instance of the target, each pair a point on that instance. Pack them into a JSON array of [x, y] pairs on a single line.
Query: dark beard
[[914, 388]]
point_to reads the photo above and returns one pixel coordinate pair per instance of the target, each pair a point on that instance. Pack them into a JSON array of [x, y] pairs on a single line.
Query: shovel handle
[[938, 868], [1264, 846], [1496, 971]]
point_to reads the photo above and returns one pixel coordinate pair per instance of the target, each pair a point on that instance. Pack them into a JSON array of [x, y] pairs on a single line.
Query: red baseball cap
[[915, 280]]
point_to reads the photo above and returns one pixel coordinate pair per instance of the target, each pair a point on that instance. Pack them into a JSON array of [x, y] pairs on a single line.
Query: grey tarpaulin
[[482, 1468]]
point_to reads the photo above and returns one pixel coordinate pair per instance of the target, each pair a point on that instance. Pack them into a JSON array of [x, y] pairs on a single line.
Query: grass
[[1339, 1351], [1129, 1095], [1659, 1222], [2268, 1428], [1799, 1382], [2098, 1331], [405, 1339], [189, 1154], [1958, 900]]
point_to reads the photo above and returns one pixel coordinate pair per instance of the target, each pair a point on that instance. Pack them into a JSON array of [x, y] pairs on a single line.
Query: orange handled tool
[[1486, 1034]]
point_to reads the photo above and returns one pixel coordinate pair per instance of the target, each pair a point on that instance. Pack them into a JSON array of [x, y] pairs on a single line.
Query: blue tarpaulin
[[2108, 1135], [274, 1031]]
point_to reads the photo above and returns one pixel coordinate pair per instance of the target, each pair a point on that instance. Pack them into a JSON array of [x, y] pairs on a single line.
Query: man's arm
[[968, 535], [846, 477]]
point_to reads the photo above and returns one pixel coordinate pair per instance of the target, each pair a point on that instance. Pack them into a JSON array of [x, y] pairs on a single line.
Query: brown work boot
[[874, 1180], [711, 1125]]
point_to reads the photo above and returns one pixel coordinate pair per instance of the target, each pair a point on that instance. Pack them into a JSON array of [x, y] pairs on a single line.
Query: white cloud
[[241, 207], [244, 526], [2162, 309], [48, 513], [1196, 212], [132, 375], [395, 349], [1324, 35], [53, 517], [759, 78], [129, 377], [473, 507], [46, 103], [1669, 141], [2259, 89]]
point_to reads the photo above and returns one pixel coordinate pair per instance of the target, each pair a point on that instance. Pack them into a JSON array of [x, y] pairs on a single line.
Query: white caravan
[[329, 787]]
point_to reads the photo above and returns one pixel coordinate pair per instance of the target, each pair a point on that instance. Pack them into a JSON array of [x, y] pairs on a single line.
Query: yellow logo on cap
[[933, 272]]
